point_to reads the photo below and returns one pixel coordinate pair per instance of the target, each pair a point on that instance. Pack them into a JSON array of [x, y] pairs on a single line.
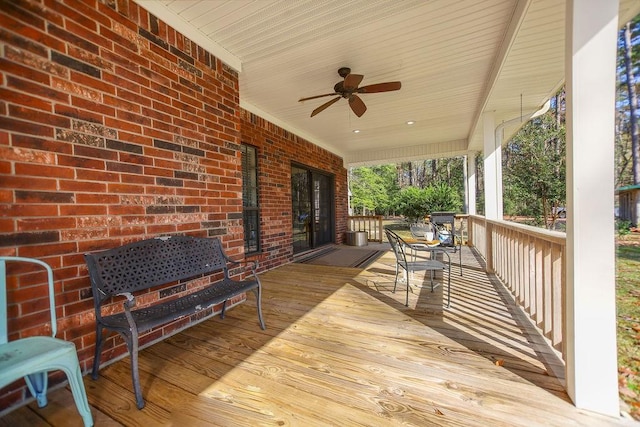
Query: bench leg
[[224, 306], [98, 352], [258, 293], [132, 344]]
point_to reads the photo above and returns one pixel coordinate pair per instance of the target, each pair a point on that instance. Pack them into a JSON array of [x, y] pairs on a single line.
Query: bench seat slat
[[147, 318]]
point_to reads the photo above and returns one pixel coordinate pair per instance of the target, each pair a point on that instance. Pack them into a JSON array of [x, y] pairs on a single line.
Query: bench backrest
[[152, 262]]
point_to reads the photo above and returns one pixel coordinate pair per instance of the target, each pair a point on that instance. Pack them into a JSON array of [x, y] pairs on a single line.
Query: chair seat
[[17, 358], [426, 265], [34, 357]]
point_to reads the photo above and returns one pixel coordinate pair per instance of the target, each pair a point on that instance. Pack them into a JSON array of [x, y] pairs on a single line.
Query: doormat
[[343, 257]]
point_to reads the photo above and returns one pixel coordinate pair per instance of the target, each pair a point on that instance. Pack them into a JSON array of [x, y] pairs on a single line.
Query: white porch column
[[471, 183], [492, 171], [590, 61]]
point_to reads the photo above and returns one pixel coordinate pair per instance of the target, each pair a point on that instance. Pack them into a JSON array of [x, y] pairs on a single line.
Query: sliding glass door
[[312, 208]]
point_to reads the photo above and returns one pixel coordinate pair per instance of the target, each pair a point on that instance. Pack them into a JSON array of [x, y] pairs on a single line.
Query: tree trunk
[[633, 105]]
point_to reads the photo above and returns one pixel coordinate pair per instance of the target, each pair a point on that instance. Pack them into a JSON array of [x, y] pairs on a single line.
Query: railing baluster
[[372, 224], [531, 264]]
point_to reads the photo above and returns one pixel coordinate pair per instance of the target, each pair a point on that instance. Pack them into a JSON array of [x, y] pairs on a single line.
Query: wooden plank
[[341, 349], [117, 400]]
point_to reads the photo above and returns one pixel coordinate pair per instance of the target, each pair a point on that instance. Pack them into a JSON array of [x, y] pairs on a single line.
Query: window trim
[[246, 209]]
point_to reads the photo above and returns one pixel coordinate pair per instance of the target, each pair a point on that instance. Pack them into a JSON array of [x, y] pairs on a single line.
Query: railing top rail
[[558, 237]]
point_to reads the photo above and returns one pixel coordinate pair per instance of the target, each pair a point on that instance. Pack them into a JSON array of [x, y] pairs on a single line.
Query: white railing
[[371, 224], [531, 263]]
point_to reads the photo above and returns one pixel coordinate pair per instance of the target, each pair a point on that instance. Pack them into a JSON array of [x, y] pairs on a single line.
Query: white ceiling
[[455, 59]]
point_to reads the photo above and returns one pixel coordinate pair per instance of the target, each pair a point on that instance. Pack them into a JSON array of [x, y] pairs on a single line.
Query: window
[[250, 211]]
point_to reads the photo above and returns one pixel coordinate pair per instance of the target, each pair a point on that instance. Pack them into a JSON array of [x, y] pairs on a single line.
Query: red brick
[[83, 210], [126, 210], [40, 251], [95, 106], [15, 211], [28, 169], [97, 198], [92, 175], [88, 186], [30, 224]]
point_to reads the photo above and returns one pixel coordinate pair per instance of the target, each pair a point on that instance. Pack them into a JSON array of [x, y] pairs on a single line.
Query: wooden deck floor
[[340, 350]]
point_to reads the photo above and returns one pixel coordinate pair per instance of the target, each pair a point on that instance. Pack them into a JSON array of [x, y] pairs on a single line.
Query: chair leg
[[77, 389], [449, 287], [37, 384], [431, 273], [395, 283], [406, 303]]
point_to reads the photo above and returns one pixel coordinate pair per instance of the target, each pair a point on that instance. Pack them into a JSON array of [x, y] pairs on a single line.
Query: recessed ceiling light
[[410, 122], [356, 131]]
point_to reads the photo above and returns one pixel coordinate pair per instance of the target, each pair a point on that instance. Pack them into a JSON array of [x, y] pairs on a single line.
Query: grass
[[628, 309]]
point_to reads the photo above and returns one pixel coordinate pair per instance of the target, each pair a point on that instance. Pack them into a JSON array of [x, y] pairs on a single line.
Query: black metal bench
[[139, 266]]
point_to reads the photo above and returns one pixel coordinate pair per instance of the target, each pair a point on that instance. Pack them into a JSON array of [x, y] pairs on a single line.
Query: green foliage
[[372, 189], [416, 203], [534, 168], [380, 189], [623, 227], [412, 203], [441, 197]]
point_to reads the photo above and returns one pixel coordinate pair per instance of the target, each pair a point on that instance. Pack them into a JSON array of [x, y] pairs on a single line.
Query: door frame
[[311, 174]]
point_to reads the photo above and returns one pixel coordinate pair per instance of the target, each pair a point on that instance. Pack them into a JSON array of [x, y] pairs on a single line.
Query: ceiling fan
[[348, 89]]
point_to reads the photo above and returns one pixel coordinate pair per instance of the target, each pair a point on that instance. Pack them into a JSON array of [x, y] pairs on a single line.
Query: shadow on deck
[[341, 349]]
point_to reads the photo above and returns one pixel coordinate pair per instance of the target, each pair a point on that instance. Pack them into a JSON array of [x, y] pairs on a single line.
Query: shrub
[[623, 227], [412, 203], [442, 198]]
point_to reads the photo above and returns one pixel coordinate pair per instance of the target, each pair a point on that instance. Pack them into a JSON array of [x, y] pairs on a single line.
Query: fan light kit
[[348, 89]]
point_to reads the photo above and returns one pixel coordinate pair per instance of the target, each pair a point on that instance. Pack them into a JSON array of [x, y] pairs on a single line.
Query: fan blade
[[357, 105], [325, 106], [317, 96], [351, 81], [380, 87]]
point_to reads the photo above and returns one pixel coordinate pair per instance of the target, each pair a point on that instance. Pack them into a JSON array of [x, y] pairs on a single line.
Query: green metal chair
[[33, 357]]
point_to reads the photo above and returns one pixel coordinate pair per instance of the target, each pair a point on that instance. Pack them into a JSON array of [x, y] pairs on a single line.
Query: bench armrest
[[131, 300], [251, 264]]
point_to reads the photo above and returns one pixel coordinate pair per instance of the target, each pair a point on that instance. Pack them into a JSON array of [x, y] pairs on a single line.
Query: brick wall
[[277, 149], [115, 128]]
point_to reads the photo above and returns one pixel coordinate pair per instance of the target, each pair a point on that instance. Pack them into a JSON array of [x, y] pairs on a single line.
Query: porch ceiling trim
[[160, 10], [519, 15], [406, 154]]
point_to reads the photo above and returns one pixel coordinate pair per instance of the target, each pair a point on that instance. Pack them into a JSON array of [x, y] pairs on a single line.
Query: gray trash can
[[356, 238]]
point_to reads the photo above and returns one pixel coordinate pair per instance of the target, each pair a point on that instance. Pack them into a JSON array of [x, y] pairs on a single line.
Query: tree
[[534, 169], [630, 104], [373, 189], [412, 203], [442, 198]]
